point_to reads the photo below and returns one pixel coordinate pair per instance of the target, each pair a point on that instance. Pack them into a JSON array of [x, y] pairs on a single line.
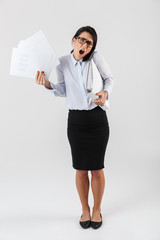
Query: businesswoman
[[88, 127]]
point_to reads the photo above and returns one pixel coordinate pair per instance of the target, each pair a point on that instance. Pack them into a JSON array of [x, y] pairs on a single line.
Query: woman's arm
[[105, 72], [59, 89]]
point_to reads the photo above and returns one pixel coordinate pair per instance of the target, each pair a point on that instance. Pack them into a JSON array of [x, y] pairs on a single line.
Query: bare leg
[[97, 184], [82, 184]]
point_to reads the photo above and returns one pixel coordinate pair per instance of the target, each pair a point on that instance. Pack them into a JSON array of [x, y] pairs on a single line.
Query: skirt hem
[[88, 169]]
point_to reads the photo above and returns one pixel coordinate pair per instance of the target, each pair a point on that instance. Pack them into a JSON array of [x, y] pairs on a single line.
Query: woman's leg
[[82, 184], [97, 184]]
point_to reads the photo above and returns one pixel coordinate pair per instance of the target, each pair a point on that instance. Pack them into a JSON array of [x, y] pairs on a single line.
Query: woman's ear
[[73, 40]]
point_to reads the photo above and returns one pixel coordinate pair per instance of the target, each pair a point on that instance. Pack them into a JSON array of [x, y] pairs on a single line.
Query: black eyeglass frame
[[89, 43]]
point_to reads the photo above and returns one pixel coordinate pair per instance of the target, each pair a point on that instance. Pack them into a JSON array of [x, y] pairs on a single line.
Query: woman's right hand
[[40, 78]]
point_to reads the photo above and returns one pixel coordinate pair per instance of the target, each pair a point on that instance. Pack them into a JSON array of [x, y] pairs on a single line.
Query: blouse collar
[[74, 60]]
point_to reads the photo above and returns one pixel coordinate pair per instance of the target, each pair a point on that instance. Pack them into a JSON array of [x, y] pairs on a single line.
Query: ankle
[[96, 209], [86, 208]]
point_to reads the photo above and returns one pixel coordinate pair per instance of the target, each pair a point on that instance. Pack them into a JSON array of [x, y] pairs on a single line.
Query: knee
[[97, 173], [82, 173]]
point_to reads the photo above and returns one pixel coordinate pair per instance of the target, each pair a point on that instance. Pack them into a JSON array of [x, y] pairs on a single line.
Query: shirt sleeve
[[105, 72], [59, 89]]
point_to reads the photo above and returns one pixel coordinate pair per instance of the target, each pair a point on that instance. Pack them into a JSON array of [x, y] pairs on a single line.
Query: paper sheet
[[33, 54]]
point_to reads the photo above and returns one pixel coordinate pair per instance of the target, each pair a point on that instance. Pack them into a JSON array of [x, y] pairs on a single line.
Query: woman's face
[[82, 48]]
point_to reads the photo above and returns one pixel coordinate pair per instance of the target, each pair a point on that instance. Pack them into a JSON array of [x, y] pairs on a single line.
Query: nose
[[85, 45]]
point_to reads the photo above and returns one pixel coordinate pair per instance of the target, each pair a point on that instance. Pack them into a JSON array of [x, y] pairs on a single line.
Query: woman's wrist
[[106, 93], [47, 84]]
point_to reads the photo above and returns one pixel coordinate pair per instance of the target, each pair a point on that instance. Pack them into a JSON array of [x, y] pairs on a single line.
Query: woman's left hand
[[102, 98]]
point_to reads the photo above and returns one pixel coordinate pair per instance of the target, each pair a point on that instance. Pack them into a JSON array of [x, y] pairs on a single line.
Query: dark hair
[[94, 35]]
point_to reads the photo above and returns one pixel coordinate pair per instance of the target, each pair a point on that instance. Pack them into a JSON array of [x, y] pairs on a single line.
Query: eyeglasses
[[82, 40]]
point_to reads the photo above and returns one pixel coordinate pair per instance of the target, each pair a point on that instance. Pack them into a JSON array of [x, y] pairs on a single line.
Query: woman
[[88, 128]]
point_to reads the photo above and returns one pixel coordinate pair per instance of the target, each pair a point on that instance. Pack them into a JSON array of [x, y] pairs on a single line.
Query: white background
[[38, 196]]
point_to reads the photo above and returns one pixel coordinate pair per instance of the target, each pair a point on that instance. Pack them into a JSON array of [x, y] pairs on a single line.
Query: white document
[[95, 83], [33, 54]]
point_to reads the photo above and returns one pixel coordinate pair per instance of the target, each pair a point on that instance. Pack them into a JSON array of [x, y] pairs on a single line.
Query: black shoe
[[85, 224], [96, 225]]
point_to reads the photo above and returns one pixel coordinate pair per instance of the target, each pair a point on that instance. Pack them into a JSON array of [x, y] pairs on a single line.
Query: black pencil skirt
[[88, 134]]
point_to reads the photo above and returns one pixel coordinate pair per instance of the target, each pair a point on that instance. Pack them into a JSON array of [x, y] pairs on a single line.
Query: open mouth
[[81, 52]]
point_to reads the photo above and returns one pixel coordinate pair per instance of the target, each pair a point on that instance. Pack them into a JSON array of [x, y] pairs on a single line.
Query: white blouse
[[71, 81]]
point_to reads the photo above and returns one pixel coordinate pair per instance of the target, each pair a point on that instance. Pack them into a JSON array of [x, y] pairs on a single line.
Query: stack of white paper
[[32, 55]]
